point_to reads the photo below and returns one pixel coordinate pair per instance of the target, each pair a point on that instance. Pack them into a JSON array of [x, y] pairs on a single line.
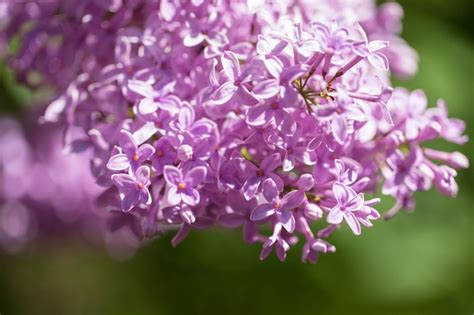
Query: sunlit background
[[417, 263]]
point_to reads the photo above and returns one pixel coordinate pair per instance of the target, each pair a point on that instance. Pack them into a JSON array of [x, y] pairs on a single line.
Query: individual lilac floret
[[183, 188], [133, 190], [133, 155], [352, 208], [281, 208], [257, 175]]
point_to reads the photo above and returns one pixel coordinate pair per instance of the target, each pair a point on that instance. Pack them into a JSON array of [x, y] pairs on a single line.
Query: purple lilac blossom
[[238, 113]]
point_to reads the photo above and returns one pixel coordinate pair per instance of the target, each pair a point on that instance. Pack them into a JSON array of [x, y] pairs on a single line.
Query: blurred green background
[[417, 263]]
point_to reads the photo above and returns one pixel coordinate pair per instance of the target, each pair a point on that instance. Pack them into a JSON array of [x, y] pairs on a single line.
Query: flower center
[[182, 186], [277, 204], [159, 153], [274, 106], [140, 185], [135, 157], [260, 173]]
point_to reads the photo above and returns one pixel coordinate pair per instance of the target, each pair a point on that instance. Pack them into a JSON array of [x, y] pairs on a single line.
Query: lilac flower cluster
[[239, 113]]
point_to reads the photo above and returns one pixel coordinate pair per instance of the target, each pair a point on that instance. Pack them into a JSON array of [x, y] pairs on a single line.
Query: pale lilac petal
[[269, 189], [287, 220], [173, 175], [127, 143], [145, 132], [288, 163], [377, 45], [335, 216], [118, 162], [281, 248], [271, 162], [292, 73], [147, 106], [224, 93], [141, 88], [196, 176], [293, 199], [274, 66], [124, 182], [146, 151], [356, 203], [173, 196], [353, 223], [339, 129], [278, 181], [258, 115], [250, 187], [186, 116], [192, 40], [130, 200], [190, 197], [342, 193], [231, 66], [145, 196], [262, 212], [378, 61], [143, 174], [266, 89]]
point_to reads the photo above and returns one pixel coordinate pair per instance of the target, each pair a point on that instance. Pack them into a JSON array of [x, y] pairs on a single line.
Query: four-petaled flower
[[133, 155], [281, 208], [182, 188], [257, 175], [352, 208], [133, 189]]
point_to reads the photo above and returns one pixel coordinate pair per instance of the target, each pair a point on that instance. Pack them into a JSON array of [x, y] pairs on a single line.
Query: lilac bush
[[265, 115]]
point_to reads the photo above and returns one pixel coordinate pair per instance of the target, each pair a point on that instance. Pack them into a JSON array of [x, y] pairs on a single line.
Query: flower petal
[[127, 143], [130, 200], [224, 93], [145, 152], [173, 175], [342, 193], [173, 196], [262, 212], [378, 61], [143, 174], [147, 106], [124, 182], [269, 189], [192, 40], [118, 162], [266, 89], [250, 187], [292, 199], [353, 223], [231, 65], [335, 216], [339, 129], [196, 176], [145, 196], [190, 197], [258, 115], [287, 220], [271, 162]]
